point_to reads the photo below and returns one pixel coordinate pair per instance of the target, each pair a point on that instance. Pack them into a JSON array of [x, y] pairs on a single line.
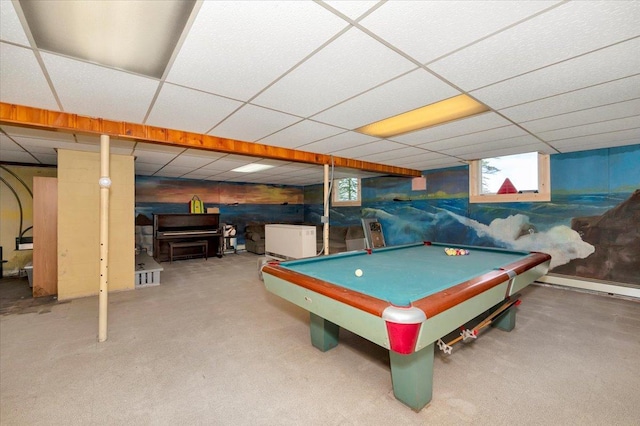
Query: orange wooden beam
[[43, 119]]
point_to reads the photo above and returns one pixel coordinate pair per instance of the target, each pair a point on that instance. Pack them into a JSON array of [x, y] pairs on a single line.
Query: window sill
[[510, 198], [346, 204]]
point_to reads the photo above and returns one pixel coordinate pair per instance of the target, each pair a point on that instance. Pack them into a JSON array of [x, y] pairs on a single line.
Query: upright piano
[[183, 228]]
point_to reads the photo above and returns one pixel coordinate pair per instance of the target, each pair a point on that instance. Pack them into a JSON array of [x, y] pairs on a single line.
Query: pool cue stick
[[489, 319]]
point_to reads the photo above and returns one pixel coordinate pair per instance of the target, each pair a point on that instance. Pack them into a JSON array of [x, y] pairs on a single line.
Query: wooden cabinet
[[45, 236]]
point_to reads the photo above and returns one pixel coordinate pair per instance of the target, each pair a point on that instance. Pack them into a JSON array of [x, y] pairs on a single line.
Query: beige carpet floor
[[210, 346]]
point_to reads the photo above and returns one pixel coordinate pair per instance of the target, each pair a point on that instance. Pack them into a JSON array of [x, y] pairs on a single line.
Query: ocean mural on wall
[[240, 204], [591, 191]]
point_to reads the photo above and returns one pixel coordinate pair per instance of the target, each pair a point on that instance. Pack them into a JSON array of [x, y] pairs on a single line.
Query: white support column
[[105, 184], [325, 229]]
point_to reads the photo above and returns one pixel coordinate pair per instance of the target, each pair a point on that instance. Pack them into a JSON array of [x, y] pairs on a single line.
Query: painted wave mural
[[546, 227]]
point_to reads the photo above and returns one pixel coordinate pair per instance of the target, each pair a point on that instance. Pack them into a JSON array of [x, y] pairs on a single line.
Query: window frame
[[342, 203], [544, 185]]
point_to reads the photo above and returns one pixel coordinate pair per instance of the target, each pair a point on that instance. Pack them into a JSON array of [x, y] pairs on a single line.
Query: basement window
[[346, 192], [511, 178]]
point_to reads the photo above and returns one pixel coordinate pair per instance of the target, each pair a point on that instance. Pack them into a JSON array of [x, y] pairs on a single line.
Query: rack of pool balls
[[456, 251]]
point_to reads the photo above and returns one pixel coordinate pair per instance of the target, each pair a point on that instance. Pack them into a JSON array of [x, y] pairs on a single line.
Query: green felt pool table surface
[[403, 274]]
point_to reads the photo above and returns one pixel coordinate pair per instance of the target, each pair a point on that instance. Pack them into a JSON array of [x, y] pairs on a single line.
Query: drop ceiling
[[558, 77]]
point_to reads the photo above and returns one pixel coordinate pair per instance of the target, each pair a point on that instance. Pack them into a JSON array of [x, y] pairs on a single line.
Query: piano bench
[[182, 244]]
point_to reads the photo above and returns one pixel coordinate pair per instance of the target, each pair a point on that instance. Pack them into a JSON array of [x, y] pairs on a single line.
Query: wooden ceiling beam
[[43, 119]]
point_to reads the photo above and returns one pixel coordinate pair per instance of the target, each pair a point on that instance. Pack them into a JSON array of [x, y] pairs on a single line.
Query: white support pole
[[105, 184], [325, 229]]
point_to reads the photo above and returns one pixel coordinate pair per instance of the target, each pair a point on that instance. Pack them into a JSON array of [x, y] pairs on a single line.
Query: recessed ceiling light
[[251, 168], [460, 106], [137, 36]]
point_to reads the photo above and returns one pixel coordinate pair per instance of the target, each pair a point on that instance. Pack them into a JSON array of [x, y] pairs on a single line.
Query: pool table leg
[[412, 377], [324, 333], [506, 321]]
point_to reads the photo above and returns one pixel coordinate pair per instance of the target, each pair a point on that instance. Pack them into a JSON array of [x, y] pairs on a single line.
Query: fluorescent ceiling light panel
[[455, 108], [137, 36], [252, 168]]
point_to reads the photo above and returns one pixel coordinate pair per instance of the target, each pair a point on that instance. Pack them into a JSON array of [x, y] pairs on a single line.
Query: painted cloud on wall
[[517, 233]]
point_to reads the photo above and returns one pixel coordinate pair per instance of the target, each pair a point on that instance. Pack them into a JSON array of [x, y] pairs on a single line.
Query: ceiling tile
[[387, 156], [142, 146], [153, 157], [621, 138], [408, 92], [446, 25], [222, 176], [482, 137], [49, 159], [41, 150], [79, 147], [146, 167], [348, 66], [189, 110], [240, 178], [439, 163], [582, 146], [44, 146], [37, 133], [10, 26], [7, 144], [298, 169], [369, 148], [352, 9], [204, 153], [508, 149], [40, 146], [592, 129], [227, 163], [601, 94], [251, 123], [598, 67], [144, 172], [333, 143], [423, 157], [101, 92], [316, 173], [17, 157], [173, 171], [198, 174], [193, 160], [272, 162], [586, 116], [492, 145], [22, 80], [578, 28], [239, 158], [235, 49], [301, 133]]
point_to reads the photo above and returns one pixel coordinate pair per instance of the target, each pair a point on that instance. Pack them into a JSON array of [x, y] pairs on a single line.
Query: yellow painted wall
[[79, 224], [10, 213]]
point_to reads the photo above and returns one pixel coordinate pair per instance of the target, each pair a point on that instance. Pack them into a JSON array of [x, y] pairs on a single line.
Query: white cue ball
[[358, 272]]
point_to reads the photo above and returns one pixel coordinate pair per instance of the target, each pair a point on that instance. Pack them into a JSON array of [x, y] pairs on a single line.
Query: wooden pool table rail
[[430, 305]]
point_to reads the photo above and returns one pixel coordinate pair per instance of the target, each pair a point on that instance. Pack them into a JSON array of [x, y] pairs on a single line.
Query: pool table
[[404, 298]]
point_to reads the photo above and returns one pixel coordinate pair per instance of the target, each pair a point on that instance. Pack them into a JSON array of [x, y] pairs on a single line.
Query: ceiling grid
[[557, 77]]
